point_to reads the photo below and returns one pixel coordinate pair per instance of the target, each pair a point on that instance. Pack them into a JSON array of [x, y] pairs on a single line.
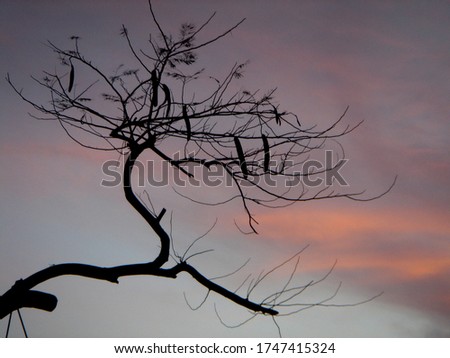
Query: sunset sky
[[388, 60]]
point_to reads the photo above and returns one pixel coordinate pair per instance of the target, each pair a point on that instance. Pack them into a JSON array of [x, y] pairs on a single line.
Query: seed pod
[[155, 85], [168, 98], [277, 115], [241, 157], [71, 77], [188, 123], [266, 153]]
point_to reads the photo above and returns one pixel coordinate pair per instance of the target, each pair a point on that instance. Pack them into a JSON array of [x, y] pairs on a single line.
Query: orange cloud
[[332, 224], [406, 243]]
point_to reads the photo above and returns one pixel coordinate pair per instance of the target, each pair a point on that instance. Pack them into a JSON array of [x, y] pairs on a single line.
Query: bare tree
[[156, 108]]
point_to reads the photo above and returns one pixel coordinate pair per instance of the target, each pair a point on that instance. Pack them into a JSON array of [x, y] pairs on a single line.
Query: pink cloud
[[407, 243], [390, 249]]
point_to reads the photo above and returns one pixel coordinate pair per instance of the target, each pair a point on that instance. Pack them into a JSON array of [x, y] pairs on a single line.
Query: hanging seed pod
[[155, 85], [188, 123], [71, 77], [277, 115], [266, 153], [168, 98], [241, 157]]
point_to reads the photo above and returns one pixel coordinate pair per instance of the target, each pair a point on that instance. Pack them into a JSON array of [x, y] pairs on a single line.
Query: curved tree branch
[[21, 295], [153, 221]]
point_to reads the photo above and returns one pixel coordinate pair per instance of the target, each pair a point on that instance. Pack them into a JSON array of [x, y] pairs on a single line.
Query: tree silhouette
[[155, 107]]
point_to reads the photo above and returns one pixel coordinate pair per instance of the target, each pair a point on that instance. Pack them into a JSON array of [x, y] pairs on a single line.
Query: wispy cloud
[[396, 249]]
